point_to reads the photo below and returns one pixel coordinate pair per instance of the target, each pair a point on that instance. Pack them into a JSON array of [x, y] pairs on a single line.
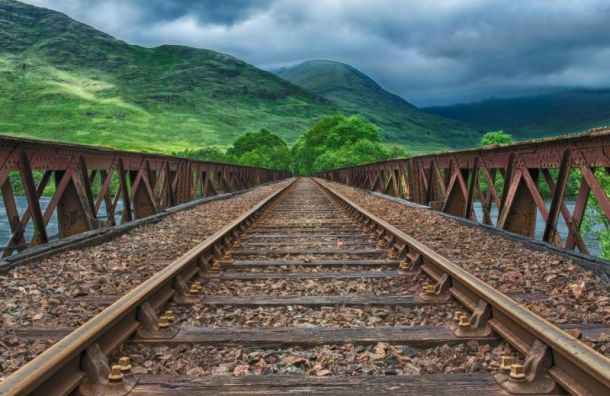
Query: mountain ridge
[[349, 88], [66, 81], [536, 116]]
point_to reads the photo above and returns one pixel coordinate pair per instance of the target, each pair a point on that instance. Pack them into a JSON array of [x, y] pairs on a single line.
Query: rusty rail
[[62, 367], [552, 356], [453, 182], [90, 182]]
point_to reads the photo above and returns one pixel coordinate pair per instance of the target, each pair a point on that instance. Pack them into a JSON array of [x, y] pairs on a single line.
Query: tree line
[[333, 142]]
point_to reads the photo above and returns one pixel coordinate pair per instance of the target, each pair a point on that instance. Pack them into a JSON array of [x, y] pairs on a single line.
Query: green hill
[[63, 80], [354, 91], [536, 116]]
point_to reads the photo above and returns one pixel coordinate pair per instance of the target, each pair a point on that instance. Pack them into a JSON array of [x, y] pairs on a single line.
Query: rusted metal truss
[[508, 182], [88, 183]]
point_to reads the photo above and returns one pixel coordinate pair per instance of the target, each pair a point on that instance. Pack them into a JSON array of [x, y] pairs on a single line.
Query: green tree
[[337, 141], [262, 148], [595, 220], [496, 137], [211, 153]]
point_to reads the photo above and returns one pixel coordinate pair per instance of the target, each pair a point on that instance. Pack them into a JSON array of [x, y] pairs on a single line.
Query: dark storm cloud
[[427, 51], [214, 11]]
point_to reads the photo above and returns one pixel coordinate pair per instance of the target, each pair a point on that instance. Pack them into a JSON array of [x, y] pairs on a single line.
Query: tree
[[211, 153], [262, 148], [337, 141], [496, 137]]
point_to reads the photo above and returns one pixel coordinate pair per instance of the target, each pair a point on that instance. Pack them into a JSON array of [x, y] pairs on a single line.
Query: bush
[[496, 137]]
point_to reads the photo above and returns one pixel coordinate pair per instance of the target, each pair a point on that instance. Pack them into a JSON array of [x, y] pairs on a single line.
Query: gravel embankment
[[35, 294]]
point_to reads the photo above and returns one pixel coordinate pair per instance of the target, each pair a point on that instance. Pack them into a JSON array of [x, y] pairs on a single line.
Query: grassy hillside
[[352, 90], [536, 116], [63, 80]]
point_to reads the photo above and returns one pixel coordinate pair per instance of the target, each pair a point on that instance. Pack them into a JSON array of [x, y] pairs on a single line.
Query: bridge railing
[[86, 188], [510, 184]]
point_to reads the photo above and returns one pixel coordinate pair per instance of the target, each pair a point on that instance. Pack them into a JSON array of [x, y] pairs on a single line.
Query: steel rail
[[575, 366], [58, 369]]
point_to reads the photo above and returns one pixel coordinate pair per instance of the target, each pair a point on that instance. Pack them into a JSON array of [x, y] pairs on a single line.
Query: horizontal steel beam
[[90, 183], [509, 182]]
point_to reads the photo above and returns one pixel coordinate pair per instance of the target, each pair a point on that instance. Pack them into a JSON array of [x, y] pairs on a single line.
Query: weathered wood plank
[[313, 242], [417, 336], [320, 228], [310, 263], [406, 300], [245, 276], [421, 337], [589, 329], [472, 384], [283, 252], [285, 235]]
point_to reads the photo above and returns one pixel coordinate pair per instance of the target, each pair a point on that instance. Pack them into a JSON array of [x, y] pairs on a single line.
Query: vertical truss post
[[474, 180], [550, 230], [40, 232], [127, 212], [72, 216]]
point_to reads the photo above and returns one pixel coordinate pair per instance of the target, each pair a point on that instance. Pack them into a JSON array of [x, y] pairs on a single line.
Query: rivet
[[506, 362], [116, 375], [164, 322], [464, 321], [517, 372], [125, 363]]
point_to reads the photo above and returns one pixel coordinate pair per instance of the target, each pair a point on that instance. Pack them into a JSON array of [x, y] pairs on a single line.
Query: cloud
[[426, 51]]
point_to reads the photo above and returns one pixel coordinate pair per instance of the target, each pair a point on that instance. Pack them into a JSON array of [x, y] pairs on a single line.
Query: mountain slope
[[355, 92], [536, 116], [63, 80]]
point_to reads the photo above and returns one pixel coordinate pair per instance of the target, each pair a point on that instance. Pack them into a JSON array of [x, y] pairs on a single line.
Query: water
[[52, 230], [562, 227]]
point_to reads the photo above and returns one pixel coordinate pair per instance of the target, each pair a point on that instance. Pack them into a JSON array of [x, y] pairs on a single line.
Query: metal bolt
[[457, 314], [507, 361], [164, 322], [116, 375], [170, 316], [428, 289], [517, 372], [464, 321], [125, 363]]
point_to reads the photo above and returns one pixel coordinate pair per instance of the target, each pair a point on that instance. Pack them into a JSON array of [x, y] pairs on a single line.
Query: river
[[52, 231]]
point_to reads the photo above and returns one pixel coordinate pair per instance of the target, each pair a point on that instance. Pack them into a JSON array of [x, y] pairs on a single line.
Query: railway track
[[308, 293]]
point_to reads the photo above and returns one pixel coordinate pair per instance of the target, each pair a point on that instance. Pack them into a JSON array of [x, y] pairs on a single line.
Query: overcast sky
[[428, 51]]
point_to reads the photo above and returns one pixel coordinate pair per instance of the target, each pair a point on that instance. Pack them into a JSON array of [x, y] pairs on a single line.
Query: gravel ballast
[[35, 294], [576, 295]]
